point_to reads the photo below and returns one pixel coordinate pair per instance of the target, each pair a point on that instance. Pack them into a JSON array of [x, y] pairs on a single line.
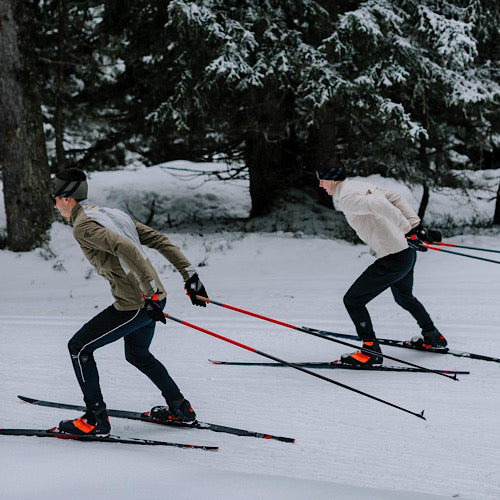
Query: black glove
[[424, 234], [433, 236], [195, 287], [153, 308]]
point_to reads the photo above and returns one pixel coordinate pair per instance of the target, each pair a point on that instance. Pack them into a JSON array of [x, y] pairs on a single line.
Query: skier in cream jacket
[[387, 223]]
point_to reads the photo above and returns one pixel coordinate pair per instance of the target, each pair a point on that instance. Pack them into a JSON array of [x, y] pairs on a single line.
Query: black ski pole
[[293, 327], [459, 253], [309, 372]]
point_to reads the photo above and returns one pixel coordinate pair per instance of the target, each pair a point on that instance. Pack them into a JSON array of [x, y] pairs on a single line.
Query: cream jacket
[[380, 217]]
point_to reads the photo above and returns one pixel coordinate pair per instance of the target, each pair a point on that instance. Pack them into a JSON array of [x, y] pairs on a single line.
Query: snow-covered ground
[[347, 446]]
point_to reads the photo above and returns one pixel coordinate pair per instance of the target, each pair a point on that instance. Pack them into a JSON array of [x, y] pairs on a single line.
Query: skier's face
[[328, 186], [64, 206]]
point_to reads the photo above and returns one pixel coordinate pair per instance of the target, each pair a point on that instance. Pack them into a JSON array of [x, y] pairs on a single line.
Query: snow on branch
[[373, 18], [452, 39]]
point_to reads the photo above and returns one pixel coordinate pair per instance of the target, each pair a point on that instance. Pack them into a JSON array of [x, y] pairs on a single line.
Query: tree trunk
[[23, 156], [496, 217], [424, 201], [424, 167], [271, 166], [62, 21], [262, 163]]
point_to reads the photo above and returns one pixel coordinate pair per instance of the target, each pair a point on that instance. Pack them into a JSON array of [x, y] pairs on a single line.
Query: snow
[[347, 446]]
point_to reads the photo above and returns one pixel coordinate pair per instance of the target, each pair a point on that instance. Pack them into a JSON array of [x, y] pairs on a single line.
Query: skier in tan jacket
[[113, 243], [385, 221]]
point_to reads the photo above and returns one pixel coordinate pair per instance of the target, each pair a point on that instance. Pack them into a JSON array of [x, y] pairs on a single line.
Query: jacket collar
[[74, 213], [339, 187]]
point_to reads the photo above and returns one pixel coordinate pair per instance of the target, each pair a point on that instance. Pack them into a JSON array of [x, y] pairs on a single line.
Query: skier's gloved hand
[[194, 287], [153, 308], [416, 243], [425, 234], [433, 235]]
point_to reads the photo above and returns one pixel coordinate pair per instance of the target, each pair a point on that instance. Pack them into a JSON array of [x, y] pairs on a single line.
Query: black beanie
[[331, 171], [70, 183]]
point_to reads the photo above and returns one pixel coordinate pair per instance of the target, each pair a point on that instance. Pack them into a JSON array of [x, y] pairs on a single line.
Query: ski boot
[[432, 338], [178, 411], [91, 423], [362, 357]]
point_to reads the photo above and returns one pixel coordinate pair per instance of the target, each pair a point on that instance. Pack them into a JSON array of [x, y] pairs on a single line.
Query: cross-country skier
[[112, 242], [385, 221]]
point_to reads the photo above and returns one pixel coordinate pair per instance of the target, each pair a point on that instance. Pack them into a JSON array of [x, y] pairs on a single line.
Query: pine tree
[[419, 96], [250, 77], [402, 87]]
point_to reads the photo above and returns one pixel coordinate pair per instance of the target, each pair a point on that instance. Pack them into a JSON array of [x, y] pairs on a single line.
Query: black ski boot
[[179, 411], [432, 338], [91, 423], [364, 358]]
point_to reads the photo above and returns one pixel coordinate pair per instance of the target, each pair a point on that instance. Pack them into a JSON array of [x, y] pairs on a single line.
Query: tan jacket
[[120, 258], [380, 217]]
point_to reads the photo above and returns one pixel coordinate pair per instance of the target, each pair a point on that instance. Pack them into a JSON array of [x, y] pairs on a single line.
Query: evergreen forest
[[408, 89]]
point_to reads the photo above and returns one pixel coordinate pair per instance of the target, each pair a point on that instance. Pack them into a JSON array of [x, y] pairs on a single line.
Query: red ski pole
[[309, 372], [337, 341], [442, 244], [459, 253]]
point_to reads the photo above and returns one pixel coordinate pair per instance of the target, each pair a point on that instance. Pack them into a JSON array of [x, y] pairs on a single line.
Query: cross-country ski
[[146, 417], [406, 344], [55, 433], [339, 366]]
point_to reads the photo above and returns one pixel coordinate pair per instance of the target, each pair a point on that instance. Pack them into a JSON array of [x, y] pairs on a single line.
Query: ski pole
[[293, 327], [291, 365], [459, 253], [440, 243]]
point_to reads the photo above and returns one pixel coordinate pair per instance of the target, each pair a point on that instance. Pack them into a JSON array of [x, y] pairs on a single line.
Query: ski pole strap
[[462, 254]]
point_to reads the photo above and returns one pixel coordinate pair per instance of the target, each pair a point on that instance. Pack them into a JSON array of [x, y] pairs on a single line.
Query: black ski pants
[[394, 271], [137, 330]]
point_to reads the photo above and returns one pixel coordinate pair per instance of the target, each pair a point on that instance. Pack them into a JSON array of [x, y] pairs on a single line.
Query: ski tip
[[421, 415], [215, 362], [201, 447], [282, 439], [286, 440], [25, 399], [278, 438]]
